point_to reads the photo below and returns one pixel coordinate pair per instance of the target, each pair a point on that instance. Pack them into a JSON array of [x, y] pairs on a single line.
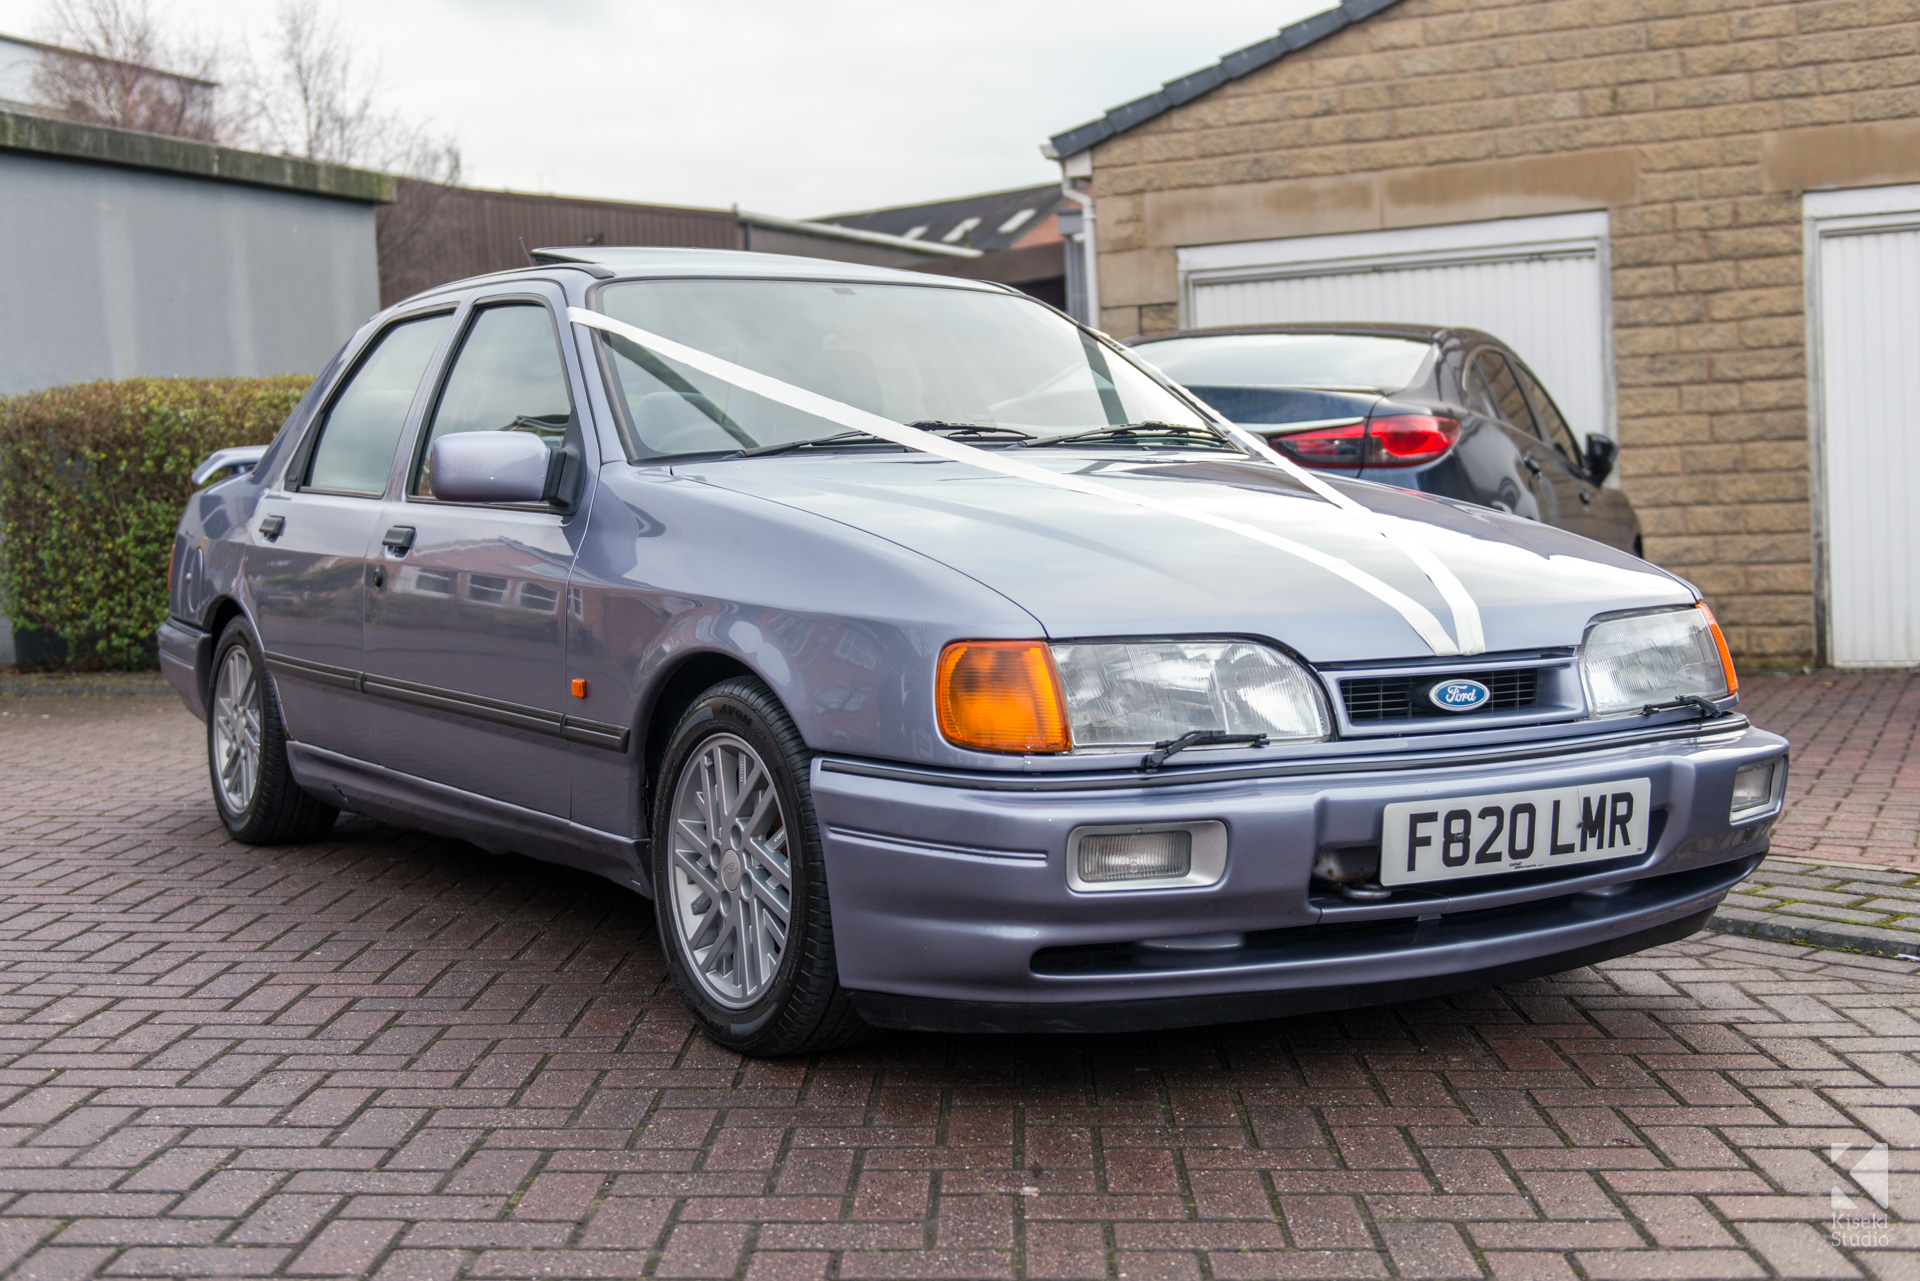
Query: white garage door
[[1866, 343], [1538, 284]]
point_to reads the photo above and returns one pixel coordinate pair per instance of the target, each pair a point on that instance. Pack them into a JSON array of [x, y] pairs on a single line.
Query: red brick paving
[[395, 1056], [1854, 790]]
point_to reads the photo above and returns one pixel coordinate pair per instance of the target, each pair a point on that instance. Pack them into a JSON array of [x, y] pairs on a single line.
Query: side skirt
[[407, 801]]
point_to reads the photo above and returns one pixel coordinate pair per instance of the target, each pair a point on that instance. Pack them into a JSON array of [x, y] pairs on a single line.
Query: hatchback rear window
[[1289, 360]]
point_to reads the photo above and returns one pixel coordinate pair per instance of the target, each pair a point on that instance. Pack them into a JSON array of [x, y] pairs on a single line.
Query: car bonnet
[[1086, 565]]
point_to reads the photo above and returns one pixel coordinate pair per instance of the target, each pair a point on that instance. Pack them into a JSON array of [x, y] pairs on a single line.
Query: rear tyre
[[247, 751], [740, 888]]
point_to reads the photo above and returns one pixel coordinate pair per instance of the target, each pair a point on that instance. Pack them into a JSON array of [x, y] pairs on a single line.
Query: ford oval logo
[[1459, 696]]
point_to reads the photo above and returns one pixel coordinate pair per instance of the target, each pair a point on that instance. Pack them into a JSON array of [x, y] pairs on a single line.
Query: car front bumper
[[952, 911]]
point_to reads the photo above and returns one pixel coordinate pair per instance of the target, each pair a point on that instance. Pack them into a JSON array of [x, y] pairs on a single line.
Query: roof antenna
[[523, 249]]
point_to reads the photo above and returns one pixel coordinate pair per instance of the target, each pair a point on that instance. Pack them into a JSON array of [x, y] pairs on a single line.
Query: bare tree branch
[[114, 67], [321, 101], [324, 105], [316, 96]]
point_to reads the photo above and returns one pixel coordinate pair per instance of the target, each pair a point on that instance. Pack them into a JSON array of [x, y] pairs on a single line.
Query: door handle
[[398, 540], [270, 527], [1526, 460], [1585, 498]]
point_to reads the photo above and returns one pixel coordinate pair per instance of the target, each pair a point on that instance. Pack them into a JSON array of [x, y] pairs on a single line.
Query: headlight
[[1630, 661], [1028, 696], [1139, 693]]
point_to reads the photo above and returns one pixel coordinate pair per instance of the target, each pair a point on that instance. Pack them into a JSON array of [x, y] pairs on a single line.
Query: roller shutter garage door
[[1864, 295], [1537, 284]]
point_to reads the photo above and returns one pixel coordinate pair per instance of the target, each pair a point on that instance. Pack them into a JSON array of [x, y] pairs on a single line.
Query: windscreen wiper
[[1146, 433], [951, 431], [838, 438], [973, 431], [1198, 738], [1708, 709]]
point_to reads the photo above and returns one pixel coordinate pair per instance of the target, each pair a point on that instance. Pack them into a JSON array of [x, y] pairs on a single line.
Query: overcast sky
[[801, 109]]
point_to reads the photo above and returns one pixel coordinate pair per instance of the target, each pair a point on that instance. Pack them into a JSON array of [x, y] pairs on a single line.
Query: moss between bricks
[[1808, 933]]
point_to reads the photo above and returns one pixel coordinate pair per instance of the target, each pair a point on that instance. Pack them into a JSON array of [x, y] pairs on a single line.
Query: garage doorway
[[1538, 284], [1863, 337]]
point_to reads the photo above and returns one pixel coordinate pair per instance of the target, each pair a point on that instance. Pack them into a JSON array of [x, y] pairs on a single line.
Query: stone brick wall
[[1696, 123]]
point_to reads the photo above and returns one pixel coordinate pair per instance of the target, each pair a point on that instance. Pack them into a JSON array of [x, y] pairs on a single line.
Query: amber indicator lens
[[579, 688], [1726, 655], [1001, 696]]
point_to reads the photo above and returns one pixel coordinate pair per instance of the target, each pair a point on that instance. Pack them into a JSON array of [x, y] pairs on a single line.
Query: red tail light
[[1326, 446], [1401, 440], [1406, 440]]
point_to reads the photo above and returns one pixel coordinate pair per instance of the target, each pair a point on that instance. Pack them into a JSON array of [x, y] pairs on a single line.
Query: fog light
[[1753, 788], [1154, 856], [1136, 856]]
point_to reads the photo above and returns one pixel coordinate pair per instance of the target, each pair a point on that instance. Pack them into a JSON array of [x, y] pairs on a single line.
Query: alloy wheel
[[236, 730], [731, 873]]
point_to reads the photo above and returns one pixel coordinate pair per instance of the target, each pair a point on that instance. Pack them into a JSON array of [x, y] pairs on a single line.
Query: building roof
[[1240, 62], [996, 220], [69, 140], [861, 233]]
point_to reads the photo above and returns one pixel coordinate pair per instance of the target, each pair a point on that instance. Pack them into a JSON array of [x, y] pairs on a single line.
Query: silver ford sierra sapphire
[[931, 662]]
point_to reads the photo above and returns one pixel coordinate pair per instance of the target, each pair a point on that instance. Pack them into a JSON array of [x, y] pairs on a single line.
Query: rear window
[[1289, 360]]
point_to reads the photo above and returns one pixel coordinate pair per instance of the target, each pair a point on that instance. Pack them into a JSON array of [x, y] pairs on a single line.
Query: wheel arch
[[223, 610], [673, 694]]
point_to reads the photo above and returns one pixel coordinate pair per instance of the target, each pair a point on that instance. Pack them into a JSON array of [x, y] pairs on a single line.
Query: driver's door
[[466, 622]]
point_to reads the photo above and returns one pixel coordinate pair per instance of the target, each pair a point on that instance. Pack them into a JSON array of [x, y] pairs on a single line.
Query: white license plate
[[1446, 840]]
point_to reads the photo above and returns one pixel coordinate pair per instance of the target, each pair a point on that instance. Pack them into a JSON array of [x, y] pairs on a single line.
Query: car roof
[[623, 262], [1355, 328], [638, 262]]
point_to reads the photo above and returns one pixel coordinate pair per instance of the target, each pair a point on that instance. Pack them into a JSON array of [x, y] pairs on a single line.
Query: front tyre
[[740, 888], [247, 751]]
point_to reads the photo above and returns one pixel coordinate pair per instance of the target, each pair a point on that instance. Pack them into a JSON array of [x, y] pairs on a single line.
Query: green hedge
[[93, 478]]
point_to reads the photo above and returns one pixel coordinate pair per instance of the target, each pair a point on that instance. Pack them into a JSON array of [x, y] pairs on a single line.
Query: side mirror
[[493, 467], [1600, 455], [222, 463]]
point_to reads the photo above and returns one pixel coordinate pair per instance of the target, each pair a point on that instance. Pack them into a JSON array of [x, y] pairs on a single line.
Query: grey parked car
[[932, 664], [1440, 409]]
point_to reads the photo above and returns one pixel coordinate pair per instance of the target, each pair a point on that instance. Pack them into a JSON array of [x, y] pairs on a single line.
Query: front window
[[507, 377], [993, 364]]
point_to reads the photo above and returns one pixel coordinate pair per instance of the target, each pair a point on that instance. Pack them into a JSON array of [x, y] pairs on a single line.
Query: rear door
[[1584, 506], [1495, 395], [305, 572], [466, 629]]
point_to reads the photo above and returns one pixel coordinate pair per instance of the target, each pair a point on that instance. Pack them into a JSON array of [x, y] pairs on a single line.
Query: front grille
[[1404, 698]]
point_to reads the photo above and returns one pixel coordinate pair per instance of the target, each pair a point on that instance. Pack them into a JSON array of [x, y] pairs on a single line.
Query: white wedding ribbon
[[1466, 613], [1418, 617]]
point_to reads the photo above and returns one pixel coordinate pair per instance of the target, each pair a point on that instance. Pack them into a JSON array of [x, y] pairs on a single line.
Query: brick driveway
[[395, 1055], [1855, 782]]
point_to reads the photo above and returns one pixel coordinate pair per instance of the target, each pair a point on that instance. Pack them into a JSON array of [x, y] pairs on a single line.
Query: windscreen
[[1289, 360], [912, 354]]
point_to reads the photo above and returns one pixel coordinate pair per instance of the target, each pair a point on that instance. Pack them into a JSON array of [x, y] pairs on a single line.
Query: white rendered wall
[[1537, 284], [1864, 291]]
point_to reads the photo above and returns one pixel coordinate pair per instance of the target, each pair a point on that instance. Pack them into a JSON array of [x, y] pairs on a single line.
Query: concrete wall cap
[[97, 144]]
